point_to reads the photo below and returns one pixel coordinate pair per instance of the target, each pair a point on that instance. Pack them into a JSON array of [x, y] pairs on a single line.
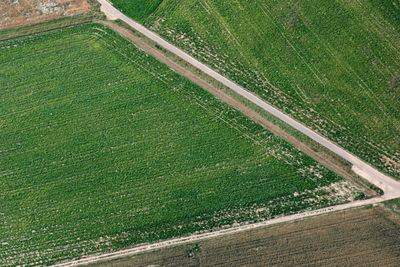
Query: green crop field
[[102, 147], [334, 65], [141, 8]]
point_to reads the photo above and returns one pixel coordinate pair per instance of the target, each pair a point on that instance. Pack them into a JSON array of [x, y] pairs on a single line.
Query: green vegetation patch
[[334, 65], [102, 147], [139, 9]]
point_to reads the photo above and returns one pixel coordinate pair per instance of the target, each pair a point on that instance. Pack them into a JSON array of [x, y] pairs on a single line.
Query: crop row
[[107, 148], [303, 58]]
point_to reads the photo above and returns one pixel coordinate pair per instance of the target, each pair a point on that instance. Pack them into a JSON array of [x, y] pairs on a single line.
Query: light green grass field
[[102, 147], [334, 65]]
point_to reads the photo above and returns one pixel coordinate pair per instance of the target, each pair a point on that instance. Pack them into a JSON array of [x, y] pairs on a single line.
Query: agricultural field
[[16, 13], [360, 237], [103, 147], [334, 66]]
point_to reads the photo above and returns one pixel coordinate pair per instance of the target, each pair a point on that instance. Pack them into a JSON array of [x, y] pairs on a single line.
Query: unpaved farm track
[[387, 184], [390, 187], [198, 237], [320, 156]]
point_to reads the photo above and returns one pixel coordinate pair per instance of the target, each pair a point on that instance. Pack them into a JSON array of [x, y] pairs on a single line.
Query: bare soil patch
[[16, 13], [360, 237]]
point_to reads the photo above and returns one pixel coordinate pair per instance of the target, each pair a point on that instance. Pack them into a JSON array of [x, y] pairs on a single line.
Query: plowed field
[[366, 237]]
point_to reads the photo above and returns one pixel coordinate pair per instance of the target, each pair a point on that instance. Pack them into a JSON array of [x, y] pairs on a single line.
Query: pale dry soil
[[16, 13], [357, 237]]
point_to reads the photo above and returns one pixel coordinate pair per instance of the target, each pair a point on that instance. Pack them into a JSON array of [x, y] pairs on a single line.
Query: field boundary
[[97, 36], [141, 44], [390, 186], [44, 27], [317, 154], [208, 235], [359, 168], [55, 24]]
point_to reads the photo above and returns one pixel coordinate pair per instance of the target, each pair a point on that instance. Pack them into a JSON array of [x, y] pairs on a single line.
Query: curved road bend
[[390, 186]]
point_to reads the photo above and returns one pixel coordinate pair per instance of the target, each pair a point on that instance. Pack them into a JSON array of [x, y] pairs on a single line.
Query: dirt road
[[17, 13], [197, 237], [390, 187], [356, 237], [387, 184], [317, 154]]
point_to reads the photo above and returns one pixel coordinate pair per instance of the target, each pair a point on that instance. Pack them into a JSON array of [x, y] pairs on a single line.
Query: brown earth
[[16, 13], [358, 237]]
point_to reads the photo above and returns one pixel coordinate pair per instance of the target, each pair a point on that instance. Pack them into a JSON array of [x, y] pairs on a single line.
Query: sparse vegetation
[[17, 13], [195, 248]]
